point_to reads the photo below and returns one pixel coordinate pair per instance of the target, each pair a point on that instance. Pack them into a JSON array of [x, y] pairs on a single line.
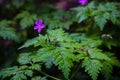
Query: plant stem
[[49, 75], [75, 72]]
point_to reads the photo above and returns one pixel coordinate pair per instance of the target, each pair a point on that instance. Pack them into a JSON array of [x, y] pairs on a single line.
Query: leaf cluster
[[26, 19], [99, 14], [58, 19], [58, 48], [7, 31]]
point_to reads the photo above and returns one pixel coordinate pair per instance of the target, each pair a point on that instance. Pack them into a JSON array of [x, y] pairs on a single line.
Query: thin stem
[[75, 72], [49, 75]]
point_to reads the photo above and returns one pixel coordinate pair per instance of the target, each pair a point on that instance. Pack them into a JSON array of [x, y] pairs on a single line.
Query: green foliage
[[20, 73], [59, 48], [58, 19], [17, 4], [29, 42], [16, 73], [39, 78], [82, 46], [64, 61], [95, 61], [93, 67], [107, 70], [54, 50], [26, 19], [99, 14], [7, 31], [24, 58]]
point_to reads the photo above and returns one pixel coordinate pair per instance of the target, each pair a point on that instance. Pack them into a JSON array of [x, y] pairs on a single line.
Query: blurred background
[[17, 18]]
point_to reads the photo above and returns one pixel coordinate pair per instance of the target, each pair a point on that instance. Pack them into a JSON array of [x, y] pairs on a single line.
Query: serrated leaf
[[93, 67], [114, 61], [42, 55], [7, 32], [36, 67], [64, 62], [29, 43], [114, 17], [28, 73], [100, 22], [42, 41], [81, 55], [97, 54], [106, 15], [27, 19], [19, 77], [8, 72], [110, 43], [39, 78], [48, 62], [82, 14], [24, 58], [82, 18], [22, 15], [107, 70]]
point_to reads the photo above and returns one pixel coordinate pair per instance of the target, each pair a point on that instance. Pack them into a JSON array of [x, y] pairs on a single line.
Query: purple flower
[[39, 25], [82, 49], [89, 51], [83, 2]]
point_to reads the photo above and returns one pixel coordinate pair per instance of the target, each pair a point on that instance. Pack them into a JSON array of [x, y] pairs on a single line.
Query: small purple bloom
[[82, 49], [83, 2], [39, 25], [89, 50]]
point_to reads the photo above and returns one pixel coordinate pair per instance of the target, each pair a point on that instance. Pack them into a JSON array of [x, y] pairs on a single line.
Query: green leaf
[[24, 58], [56, 35], [28, 73], [19, 77], [110, 43], [39, 78], [81, 55], [106, 15], [82, 18], [48, 62], [7, 32], [42, 41], [98, 54], [63, 59], [114, 61], [114, 17], [58, 19], [8, 72], [27, 19], [91, 42], [100, 21], [36, 67], [29, 42], [82, 13], [92, 66], [107, 70], [42, 55]]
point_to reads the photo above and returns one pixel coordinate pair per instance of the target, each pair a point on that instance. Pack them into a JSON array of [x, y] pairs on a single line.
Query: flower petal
[[36, 27], [83, 2], [40, 21], [39, 30], [37, 22], [42, 26]]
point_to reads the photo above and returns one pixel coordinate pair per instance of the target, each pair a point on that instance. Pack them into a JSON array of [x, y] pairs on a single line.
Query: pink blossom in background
[[83, 2], [1, 1]]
